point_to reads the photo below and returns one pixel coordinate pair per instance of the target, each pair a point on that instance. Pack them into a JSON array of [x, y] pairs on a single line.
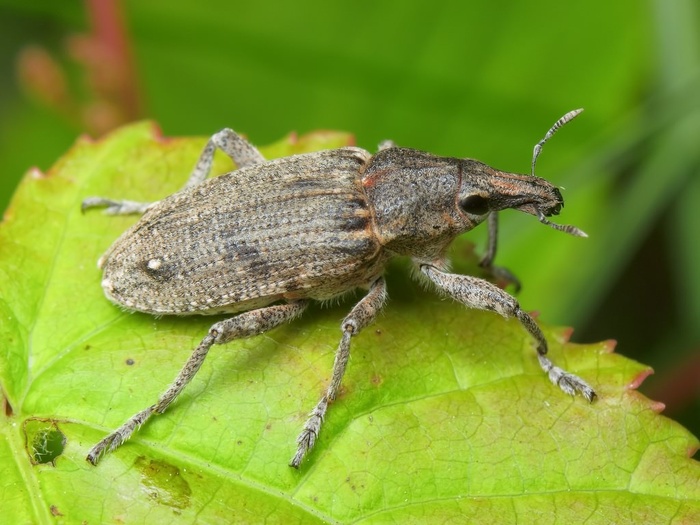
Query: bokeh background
[[471, 79]]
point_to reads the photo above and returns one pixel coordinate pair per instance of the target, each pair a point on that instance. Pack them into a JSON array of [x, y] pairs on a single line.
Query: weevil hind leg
[[242, 152], [360, 316], [481, 294], [246, 324]]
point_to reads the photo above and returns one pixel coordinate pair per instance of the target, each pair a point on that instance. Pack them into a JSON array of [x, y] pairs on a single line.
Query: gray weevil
[[265, 239]]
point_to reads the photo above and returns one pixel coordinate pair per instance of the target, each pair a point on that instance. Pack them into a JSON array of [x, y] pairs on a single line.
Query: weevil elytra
[[265, 239]]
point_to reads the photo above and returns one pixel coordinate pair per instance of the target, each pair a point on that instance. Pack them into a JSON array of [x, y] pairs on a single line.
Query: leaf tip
[[36, 174], [609, 346], [657, 406], [639, 379], [565, 334]]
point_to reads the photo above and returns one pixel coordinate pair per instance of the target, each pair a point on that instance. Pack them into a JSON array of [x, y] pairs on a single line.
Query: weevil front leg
[[242, 152], [243, 325], [478, 293], [488, 258], [360, 316]]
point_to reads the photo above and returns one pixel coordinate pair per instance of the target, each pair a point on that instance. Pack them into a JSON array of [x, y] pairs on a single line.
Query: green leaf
[[444, 413]]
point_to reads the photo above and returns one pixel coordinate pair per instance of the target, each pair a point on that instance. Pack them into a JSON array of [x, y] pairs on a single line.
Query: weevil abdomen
[[284, 229]]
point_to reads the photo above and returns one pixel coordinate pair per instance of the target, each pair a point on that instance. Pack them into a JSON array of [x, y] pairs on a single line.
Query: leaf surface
[[444, 413]]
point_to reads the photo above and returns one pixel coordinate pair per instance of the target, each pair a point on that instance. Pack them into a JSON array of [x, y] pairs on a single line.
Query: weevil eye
[[475, 205]]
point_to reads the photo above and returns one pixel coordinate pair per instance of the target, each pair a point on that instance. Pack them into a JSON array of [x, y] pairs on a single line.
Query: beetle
[[264, 240]]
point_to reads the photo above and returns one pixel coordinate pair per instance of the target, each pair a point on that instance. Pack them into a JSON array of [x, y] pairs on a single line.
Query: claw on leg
[[309, 434], [567, 381]]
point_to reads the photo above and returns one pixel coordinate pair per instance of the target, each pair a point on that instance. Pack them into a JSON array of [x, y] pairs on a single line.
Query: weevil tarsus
[[115, 207]]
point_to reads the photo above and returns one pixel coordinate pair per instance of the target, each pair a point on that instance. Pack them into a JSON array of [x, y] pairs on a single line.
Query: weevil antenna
[[571, 115], [571, 230]]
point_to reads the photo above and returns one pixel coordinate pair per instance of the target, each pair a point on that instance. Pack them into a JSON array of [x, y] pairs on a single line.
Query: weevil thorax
[[421, 202], [412, 195]]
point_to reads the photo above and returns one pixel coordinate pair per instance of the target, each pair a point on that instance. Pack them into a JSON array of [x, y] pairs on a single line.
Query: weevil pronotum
[[265, 239]]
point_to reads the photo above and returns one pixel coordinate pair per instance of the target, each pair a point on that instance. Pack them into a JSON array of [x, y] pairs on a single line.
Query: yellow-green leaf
[[445, 415]]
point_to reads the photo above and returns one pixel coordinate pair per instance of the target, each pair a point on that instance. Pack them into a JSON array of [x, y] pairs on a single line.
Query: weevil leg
[[243, 325], [478, 293], [242, 152], [114, 207], [360, 316], [490, 255]]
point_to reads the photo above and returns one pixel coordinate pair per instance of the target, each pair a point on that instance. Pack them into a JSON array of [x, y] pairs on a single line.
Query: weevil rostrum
[[264, 240]]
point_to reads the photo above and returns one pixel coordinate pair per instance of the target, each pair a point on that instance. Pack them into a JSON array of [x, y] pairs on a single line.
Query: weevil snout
[[554, 210], [526, 193], [553, 207]]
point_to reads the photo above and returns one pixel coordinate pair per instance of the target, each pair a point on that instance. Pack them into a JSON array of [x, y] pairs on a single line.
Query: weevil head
[[484, 189], [420, 202]]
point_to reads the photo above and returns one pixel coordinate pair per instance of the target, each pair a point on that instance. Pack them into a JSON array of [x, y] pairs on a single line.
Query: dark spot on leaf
[[55, 511], [163, 483], [8, 407], [130, 362], [44, 441]]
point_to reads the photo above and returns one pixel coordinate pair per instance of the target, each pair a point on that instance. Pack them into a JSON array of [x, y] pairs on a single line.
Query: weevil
[[264, 240]]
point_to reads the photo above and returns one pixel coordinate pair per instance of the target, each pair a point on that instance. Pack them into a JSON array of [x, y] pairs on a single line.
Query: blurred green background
[[471, 79]]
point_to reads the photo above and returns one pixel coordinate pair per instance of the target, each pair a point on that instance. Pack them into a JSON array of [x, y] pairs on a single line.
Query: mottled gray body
[[275, 231], [267, 238]]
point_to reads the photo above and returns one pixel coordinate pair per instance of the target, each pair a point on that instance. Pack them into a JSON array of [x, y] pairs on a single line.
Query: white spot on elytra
[[155, 264]]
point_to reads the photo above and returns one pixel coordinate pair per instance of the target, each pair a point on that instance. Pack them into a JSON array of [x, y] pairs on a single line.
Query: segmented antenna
[[571, 115], [566, 228]]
